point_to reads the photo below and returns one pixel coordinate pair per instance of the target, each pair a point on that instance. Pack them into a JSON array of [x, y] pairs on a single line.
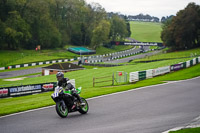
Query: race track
[[152, 109]]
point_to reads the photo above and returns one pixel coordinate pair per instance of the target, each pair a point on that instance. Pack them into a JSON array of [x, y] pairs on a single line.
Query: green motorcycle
[[66, 103]]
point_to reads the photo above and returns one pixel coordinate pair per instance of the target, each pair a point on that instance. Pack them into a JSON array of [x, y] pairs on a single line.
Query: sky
[[156, 8]]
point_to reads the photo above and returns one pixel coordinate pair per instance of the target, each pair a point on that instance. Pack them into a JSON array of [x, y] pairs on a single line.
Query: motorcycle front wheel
[[61, 110], [84, 109]]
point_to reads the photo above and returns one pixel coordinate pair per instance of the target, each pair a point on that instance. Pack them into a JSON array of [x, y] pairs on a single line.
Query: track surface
[[146, 110], [19, 72]]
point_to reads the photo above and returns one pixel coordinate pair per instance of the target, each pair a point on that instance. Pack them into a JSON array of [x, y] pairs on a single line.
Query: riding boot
[[79, 99]]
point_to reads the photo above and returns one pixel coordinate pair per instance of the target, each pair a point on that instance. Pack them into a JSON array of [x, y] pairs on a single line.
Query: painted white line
[[179, 128], [102, 96], [141, 88], [174, 129], [26, 111]]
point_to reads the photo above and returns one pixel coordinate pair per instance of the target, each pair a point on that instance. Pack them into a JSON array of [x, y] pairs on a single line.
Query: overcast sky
[[157, 8]]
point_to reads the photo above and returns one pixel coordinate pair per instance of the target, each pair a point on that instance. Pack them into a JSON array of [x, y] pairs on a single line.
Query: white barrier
[[194, 61], [134, 77], [2, 68], [161, 70], [187, 64], [149, 73]]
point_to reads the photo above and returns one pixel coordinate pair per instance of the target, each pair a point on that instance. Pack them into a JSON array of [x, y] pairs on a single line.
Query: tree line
[[164, 19], [56, 23], [183, 30]]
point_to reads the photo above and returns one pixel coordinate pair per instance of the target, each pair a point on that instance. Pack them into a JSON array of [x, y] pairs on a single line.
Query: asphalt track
[[123, 60], [19, 72], [153, 109]]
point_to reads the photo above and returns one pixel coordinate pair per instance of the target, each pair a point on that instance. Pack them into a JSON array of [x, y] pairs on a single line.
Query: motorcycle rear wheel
[[84, 109], [61, 110]]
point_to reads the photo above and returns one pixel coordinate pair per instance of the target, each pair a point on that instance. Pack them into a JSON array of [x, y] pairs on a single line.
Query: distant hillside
[[146, 31]]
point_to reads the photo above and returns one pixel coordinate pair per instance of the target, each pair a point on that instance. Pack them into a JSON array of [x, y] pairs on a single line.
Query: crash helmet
[[59, 76]]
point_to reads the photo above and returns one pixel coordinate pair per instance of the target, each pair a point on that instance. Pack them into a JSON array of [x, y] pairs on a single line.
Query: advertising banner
[[161, 70], [47, 87], [176, 67], [3, 93], [142, 75], [27, 89], [22, 90]]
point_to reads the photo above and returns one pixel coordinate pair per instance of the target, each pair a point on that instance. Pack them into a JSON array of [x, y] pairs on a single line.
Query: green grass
[[18, 104], [189, 130], [146, 31], [28, 56], [173, 55], [9, 57], [103, 50]]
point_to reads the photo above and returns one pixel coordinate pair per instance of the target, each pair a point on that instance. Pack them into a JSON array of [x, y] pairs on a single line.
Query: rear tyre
[[84, 109], [61, 110]]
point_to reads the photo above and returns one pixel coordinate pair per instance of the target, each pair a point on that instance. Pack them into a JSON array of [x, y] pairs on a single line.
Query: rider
[[65, 83]]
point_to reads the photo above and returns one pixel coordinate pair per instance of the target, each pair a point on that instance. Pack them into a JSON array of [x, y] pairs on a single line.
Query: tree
[[55, 23], [2, 34], [16, 31], [118, 28], [43, 30], [101, 34], [182, 32]]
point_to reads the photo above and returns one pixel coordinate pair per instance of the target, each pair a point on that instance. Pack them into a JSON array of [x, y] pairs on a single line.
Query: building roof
[[64, 66]]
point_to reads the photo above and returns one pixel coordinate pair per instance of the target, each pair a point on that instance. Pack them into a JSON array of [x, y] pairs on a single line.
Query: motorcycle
[[66, 103]]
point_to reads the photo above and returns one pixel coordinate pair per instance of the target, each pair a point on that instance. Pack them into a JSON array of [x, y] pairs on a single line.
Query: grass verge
[[18, 104], [189, 130]]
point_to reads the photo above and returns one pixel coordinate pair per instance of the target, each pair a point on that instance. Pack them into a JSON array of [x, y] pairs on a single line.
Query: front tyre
[[84, 109], [61, 110]]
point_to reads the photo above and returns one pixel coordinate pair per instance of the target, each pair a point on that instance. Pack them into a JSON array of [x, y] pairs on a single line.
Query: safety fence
[[117, 77], [97, 80], [141, 75]]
